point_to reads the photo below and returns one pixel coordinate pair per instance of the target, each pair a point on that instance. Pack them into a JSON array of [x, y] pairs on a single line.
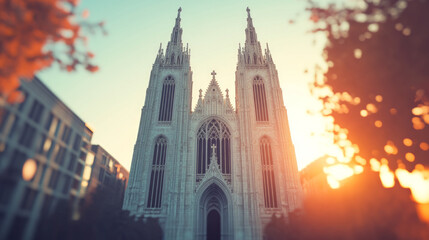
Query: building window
[[213, 132], [270, 197], [66, 186], [66, 134], [36, 111], [103, 160], [157, 175], [53, 181], [60, 155], [52, 125], [72, 162], [101, 175], [47, 203], [77, 142], [79, 169], [260, 100], [75, 184], [27, 135], [167, 100], [28, 199], [16, 162]]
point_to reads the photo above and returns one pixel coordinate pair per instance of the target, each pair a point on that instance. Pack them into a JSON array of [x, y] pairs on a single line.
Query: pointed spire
[[249, 18], [250, 30], [176, 35], [178, 17], [252, 51], [201, 93]]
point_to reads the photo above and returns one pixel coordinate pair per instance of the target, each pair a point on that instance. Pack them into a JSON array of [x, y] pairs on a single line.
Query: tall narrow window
[[157, 174], [260, 100], [167, 100], [270, 197], [213, 132]]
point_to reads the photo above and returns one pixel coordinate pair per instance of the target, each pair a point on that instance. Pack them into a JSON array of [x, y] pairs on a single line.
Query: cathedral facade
[[213, 172]]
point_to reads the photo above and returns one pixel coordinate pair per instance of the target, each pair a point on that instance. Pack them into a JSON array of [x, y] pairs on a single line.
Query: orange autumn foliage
[[27, 29]]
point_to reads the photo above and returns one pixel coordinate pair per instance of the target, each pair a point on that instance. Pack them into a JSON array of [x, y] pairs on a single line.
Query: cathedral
[[213, 172]]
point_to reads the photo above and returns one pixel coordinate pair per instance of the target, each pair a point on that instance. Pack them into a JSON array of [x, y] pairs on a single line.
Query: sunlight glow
[[410, 157], [417, 181], [390, 148], [378, 123], [379, 98], [407, 142], [358, 53], [418, 124], [339, 171], [386, 176], [375, 164], [424, 146]]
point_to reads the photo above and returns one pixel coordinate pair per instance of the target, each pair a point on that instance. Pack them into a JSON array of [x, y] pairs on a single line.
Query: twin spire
[[251, 38], [252, 53]]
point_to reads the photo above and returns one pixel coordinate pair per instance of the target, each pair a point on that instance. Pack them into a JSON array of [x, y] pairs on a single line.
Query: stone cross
[[213, 74], [213, 149]]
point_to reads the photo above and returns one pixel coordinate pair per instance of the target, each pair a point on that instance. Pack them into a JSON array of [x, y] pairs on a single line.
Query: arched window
[[213, 132], [167, 100], [157, 174], [260, 100], [270, 197]]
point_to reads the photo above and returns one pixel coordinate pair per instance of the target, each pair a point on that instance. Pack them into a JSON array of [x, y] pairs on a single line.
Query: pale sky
[[110, 100]]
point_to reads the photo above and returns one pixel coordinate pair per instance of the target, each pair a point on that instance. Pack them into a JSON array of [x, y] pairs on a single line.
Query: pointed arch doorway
[[214, 214], [213, 225]]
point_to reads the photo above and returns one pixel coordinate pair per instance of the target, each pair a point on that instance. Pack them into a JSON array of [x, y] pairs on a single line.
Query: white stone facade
[[238, 195]]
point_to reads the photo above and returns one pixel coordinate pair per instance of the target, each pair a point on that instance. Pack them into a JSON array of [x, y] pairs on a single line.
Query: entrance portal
[[214, 213], [213, 225]]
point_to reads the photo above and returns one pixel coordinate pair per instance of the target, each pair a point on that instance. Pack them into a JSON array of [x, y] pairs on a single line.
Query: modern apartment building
[[106, 173], [43, 154]]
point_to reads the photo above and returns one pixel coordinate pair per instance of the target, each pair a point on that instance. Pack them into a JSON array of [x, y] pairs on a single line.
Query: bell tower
[[161, 143], [272, 174]]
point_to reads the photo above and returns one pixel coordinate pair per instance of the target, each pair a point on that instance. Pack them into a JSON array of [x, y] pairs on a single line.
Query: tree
[[360, 209], [27, 29], [378, 87]]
